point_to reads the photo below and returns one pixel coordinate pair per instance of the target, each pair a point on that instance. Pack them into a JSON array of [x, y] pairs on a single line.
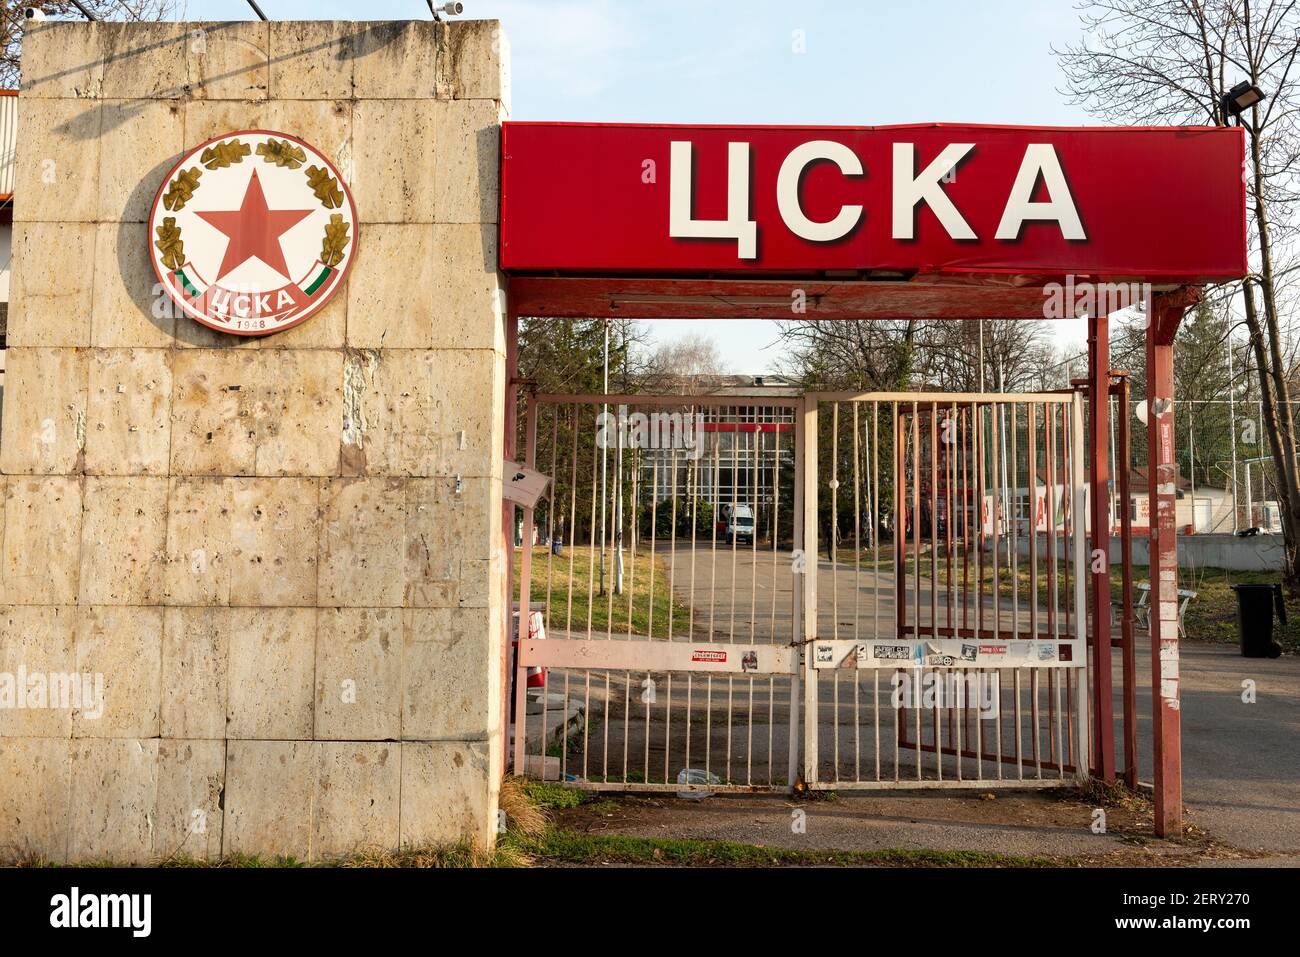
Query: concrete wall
[[230, 529], [1259, 553]]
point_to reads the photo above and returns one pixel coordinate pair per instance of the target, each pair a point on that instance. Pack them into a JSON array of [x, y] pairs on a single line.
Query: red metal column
[[1162, 478], [1123, 462], [1099, 432]]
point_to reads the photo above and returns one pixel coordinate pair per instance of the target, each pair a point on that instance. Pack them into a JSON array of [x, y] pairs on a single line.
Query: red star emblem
[[254, 230]]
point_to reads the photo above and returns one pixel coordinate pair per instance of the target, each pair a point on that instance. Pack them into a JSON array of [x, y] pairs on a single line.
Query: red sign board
[[1157, 203]]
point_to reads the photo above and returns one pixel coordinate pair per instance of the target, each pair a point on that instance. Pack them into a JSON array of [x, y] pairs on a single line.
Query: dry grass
[[576, 573]]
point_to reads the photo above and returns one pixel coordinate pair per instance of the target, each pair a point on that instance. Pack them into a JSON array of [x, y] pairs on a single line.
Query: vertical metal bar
[[808, 442], [857, 592], [1031, 436], [900, 568], [796, 595], [1124, 456], [1015, 525], [1099, 414], [933, 498], [525, 595], [1080, 711], [875, 564], [1162, 471], [832, 536]]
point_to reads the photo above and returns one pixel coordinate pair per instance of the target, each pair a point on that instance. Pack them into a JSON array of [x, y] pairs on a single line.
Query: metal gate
[[947, 648], [670, 605], [664, 644]]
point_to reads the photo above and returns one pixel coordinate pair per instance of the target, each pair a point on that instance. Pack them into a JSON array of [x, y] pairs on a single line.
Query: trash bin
[[1255, 605]]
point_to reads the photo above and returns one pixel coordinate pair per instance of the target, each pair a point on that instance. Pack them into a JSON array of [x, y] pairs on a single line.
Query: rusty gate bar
[[587, 635], [959, 485]]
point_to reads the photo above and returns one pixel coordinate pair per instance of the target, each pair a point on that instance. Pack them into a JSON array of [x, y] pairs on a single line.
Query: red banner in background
[[1161, 204]]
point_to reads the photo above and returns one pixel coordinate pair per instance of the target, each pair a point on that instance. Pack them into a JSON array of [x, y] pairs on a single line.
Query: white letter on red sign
[[681, 221], [1040, 158], [787, 191], [910, 190]]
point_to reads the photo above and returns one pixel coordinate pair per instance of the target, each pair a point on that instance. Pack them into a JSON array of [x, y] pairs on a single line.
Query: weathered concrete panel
[[35, 642], [467, 180], [312, 60], [230, 60], [356, 799], [123, 541], [269, 686], [447, 794], [390, 290], [140, 141], [124, 645], [56, 173], [444, 696], [188, 815], [36, 816], [42, 541], [359, 674], [128, 430], [195, 663], [361, 543], [114, 792], [396, 60], [49, 294], [269, 790], [63, 59], [44, 429]]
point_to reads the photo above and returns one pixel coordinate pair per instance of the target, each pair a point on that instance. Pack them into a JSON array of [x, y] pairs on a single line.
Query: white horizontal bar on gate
[[659, 656], [948, 653]]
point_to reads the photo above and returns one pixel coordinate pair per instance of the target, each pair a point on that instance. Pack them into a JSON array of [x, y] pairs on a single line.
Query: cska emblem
[[252, 232]]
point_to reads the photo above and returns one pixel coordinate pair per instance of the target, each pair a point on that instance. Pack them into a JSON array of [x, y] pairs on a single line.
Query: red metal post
[[1123, 460], [1099, 557], [1162, 470]]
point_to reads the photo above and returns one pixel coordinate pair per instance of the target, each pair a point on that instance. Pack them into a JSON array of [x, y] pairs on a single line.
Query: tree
[[13, 22], [1018, 355], [689, 365], [851, 353], [1170, 62]]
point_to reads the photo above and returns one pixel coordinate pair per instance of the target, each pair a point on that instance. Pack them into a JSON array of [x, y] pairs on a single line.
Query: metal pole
[[1129, 669], [1162, 470], [1232, 429], [604, 467], [1099, 499]]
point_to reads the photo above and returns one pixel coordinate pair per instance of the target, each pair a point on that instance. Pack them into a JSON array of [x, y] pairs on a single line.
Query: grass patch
[[568, 847], [551, 796], [574, 569], [1212, 614]]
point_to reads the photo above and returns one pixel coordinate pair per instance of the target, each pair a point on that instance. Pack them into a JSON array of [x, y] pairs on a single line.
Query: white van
[[736, 523]]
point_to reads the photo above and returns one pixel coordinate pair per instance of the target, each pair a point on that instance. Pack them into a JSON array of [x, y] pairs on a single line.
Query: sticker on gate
[[705, 656]]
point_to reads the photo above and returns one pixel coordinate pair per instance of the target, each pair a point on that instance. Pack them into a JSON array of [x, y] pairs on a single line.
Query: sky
[[865, 62]]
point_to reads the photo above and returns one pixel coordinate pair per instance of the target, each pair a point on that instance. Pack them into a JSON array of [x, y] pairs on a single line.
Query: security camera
[[451, 9], [34, 13]]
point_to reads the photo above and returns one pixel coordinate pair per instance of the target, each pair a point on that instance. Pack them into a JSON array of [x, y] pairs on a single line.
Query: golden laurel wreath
[[280, 153]]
